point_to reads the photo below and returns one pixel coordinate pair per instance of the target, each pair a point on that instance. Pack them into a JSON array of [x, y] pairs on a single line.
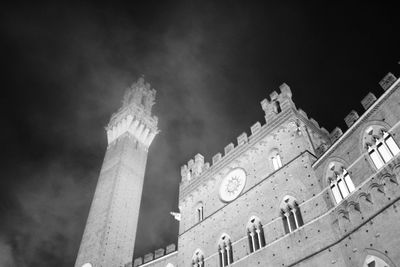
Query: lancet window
[[225, 251], [291, 214], [340, 182], [380, 145], [198, 259], [255, 234], [199, 212], [276, 160]]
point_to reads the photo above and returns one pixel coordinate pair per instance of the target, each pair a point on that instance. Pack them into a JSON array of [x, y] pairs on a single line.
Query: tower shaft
[[110, 231]]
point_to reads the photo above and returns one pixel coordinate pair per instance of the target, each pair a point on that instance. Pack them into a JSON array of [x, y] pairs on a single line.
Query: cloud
[[6, 255]]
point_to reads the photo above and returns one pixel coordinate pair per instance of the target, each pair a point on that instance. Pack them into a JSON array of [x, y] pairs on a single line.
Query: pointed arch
[[198, 258], [291, 214], [255, 234], [339, 180], [225, 251], [380, 145]]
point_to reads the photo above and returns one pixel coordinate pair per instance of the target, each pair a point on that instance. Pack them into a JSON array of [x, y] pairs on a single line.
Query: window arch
[[291, 214], [276, 159], [380, 145], [255, 234], [374, 261], [199, 212], [198, 258], [225, 251], [340, 181]]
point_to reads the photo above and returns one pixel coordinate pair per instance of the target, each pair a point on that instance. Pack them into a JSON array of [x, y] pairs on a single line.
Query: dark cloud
[[66, 67]]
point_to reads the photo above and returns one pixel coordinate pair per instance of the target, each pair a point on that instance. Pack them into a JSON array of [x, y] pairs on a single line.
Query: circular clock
[[232, 185]]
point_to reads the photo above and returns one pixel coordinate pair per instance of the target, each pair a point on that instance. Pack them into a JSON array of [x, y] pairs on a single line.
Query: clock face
[[232, 185]]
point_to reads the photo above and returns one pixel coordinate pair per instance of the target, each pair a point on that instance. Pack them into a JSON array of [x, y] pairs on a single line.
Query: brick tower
[[109, 236]]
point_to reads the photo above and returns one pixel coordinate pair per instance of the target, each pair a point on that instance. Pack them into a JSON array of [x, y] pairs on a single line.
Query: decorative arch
[[255, 234], [291, 214], [198, 258], [339, 181], [225, 251], [379, 144]]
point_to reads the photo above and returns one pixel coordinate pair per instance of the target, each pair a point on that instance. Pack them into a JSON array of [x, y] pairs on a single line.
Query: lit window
[[198, 259], [276, 162], [255, 234], [87, 265], [383, 149], [225, 251], [291, 215], [341, 185]]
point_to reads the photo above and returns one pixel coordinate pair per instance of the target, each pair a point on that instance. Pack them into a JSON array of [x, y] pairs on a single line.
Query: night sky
[[65, 68]]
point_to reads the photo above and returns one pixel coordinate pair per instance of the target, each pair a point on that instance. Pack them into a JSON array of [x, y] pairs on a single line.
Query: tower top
[[135, 114], [141, 95]]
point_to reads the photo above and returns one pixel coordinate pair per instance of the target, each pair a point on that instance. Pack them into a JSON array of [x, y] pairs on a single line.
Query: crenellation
[[303, 113], [170, 248], [138, 261], [159, 253], [325, 131], [336, 134], [273, 96], [242, 139], [264, 104], [351, 118], [217, 157], [193, 168], [387, 81], [198, 164], [255, 128], [228, 148], [148, 257], [185, 173], [315, 123], [368, 100], [285, 90]]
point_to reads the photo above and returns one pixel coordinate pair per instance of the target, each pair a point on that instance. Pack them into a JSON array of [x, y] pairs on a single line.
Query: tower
[[109, 236]]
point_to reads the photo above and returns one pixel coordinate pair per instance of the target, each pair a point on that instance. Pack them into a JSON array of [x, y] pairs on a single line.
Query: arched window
[[276, 159], [198, 259], [373, 261], [291, 214], [225, 251], [340, 181], [380, 145], [255, 234], [199, 212]]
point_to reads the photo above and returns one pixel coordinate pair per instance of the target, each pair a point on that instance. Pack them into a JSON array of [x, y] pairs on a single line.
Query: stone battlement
[[158, 253], [278, 106], [135, 115]]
